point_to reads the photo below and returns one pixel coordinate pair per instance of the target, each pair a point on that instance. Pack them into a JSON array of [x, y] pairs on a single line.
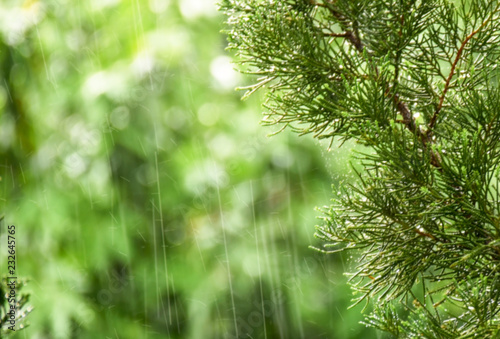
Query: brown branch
[[314, 3], [348, 34], [425, 234], [401, 121], [405, 112], [432, 123], [425, 137], [355, 40], [336, 35]]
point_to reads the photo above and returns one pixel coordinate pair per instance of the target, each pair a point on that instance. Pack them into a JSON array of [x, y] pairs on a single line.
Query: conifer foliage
[[416, 82]]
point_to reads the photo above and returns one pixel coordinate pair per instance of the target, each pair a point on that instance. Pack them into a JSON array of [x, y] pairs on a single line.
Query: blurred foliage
[[148, 201]]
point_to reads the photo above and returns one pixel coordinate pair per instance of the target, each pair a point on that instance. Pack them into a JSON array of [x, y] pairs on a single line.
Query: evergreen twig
[[424, 214]]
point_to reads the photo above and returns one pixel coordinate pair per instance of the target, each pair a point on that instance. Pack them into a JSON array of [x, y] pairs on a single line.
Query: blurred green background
[[148, 200]]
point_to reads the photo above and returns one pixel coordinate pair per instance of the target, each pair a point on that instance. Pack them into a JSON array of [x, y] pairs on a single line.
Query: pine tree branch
[[432, 123], [419, 220], [356, 41], [401, 106]]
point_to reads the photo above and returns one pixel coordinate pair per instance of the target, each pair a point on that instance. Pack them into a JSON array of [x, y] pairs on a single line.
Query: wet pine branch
[[416, 83]]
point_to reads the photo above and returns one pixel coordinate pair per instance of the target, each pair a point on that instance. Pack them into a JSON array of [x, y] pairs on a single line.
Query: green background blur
[[148, 200]]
